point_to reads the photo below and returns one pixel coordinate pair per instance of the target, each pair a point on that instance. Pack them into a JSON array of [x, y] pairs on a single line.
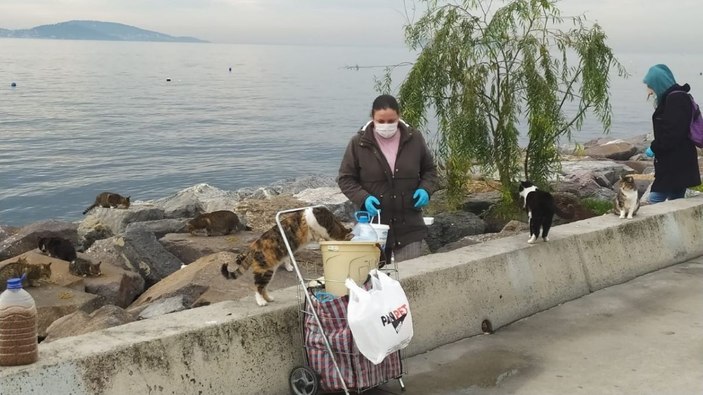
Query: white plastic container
[[381, 233], [347, 259], [363, 231], [18, 326]]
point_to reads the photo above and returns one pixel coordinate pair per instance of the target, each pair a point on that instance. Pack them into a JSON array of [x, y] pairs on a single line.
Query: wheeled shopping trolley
[[332, 361]]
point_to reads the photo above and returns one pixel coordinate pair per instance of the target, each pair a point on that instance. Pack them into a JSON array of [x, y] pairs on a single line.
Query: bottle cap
[[14, 283], [362, 216]]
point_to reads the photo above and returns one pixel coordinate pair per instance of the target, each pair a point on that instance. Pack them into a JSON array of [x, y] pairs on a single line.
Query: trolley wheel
[[304, 381]]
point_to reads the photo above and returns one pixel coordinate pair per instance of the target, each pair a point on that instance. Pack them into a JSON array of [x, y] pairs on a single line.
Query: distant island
[[94, 30]]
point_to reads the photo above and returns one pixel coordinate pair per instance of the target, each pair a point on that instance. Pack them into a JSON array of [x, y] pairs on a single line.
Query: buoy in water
[[168, 80], [13, 84]]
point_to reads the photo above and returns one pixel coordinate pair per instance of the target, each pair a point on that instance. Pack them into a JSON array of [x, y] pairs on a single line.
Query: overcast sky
[[632, 25]]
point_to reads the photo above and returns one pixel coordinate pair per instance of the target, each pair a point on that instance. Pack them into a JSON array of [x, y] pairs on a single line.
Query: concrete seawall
[[238, 348]]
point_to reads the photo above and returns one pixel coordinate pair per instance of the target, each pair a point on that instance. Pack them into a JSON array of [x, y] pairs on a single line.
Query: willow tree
[[483, 70]]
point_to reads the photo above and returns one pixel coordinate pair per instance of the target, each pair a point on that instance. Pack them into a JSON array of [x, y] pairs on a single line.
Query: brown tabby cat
[[109, 199], [627, 200], [35, 273], [266, 253], [84, 268], [217, 223]]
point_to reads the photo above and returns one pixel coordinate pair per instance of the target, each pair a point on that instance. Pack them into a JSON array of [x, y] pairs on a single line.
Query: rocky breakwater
[[151, 266]]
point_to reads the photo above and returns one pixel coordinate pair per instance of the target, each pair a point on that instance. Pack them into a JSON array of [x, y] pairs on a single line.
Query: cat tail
[[90, 208], [238, 271]]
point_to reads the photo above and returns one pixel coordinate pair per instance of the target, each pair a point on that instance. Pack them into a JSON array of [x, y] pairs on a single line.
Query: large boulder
[[332, 198], [116, 285], [584, 185], [479, 203], [3, 234], [570, 208], [161, 227], [60, 274], [102, 223], [639, 166], [137, 250], [198, 199], [608, 169], [164, 306], [616, 150], [191, 282], [452, 226], [26, 239], [80, 322], [189, 248], [201, 283], [54, 302], [297, 185]]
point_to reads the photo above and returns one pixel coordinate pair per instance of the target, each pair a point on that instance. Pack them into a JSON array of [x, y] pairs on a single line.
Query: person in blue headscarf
[[675, 155]]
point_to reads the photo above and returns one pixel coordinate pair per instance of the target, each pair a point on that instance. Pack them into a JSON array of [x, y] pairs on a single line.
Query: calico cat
[[220, 223], [35, 273], [57, 247], [627, 200], [266, 253], [540, 209], [109, 199]]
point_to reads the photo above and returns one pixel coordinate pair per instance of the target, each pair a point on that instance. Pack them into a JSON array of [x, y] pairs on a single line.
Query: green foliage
[[698, 188], [482, 70], [598, 206]]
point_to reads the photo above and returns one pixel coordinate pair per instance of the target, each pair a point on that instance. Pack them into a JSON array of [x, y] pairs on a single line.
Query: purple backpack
[[696, 131]]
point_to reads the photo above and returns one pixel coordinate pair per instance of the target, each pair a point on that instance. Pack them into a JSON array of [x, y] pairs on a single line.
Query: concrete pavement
[[641, 337]]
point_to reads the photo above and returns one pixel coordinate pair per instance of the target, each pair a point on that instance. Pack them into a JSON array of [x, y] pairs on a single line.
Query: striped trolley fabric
[[357, 371]]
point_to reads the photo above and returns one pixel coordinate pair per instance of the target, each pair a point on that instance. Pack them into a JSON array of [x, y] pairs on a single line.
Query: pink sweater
[[389, 147]]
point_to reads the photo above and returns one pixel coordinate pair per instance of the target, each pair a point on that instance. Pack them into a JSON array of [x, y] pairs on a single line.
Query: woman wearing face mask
[[675, 156], [387, 166]]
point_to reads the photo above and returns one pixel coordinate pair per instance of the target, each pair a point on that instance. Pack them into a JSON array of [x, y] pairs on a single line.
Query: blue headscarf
[[659, 78]]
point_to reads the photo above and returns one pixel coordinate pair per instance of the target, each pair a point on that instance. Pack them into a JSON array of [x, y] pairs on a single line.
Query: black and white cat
[[540, 209]]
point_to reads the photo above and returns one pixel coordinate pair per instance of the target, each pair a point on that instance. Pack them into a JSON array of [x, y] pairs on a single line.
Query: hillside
[[94, 30]]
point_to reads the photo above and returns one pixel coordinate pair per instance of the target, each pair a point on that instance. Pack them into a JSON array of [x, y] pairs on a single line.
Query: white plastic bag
[[379, 319]]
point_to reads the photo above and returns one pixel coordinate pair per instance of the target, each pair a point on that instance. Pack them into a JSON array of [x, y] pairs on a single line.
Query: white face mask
[[652, 95], [386, 130]]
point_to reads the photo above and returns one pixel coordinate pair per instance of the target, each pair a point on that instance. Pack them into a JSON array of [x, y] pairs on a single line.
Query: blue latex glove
[[371, 204], [649, 152], [421, 198]]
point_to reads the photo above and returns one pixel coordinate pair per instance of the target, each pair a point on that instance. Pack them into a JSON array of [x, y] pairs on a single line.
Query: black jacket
[[364, 171], [675, 156]]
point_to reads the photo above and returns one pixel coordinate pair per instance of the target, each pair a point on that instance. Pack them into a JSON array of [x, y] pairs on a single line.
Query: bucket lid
[[14, 283]]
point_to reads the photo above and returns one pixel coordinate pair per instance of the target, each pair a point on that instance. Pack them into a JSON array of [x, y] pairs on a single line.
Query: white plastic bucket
[[382, 233], [347, 259]]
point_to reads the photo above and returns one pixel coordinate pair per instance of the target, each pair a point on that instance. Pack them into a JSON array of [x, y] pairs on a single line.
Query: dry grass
[[479, 186], [260, 214]]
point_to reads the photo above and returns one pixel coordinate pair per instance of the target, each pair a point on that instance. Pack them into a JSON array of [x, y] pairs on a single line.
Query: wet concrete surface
[[641, 337]]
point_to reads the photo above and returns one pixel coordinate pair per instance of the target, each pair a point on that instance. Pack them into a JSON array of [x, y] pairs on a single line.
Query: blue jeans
[[658, 197]]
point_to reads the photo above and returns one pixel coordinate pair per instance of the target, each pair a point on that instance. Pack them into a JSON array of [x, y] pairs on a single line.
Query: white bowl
[[428, 220]]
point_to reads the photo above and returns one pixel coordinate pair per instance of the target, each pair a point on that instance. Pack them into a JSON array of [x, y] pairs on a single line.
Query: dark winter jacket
[[364, 171], [675, 156]]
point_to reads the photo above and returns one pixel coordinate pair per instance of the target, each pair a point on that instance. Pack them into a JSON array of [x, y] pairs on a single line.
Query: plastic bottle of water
[[18, 326], [363, 231]]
